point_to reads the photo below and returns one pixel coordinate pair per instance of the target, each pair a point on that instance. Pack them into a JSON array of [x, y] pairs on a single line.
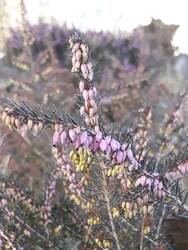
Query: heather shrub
[[116, 193], [71, 177]]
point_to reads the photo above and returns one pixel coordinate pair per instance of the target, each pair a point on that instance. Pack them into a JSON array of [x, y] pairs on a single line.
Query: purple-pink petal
[[119, 156], [56, 138], [103, 145]]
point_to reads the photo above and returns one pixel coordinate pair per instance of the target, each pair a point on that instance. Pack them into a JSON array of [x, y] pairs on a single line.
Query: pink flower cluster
[[50, 192], [180, 172], [73, 185], [80, 53], [153, 183], [89, 110], [113, 150]]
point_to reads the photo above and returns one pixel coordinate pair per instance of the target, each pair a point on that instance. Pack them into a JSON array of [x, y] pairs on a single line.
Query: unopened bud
[[30, 124], [17, 123], [85, 71], [12, 120], [75, 48], [7, 120], [40, 125], [78, 55], [4, 115], [35, 129], [77, 64]]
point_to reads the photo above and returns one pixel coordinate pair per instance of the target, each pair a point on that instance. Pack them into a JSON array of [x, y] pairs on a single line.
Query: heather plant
[[117, 192]]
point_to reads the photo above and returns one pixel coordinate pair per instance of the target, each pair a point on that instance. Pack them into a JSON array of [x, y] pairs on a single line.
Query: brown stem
[[107, 199], [160, 223], [142, 234]]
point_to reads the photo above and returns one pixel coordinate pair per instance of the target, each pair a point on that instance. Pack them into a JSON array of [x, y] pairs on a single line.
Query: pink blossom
[[95, 91], [90, 93], [56, 138], [82, 111], [94, 146], [130, 154], [124, 146], [77, 143], [84, 70], [63, 136], [75, 48], [81, 86], [141, 181], [93, 104], [135, 163], [119, 156], [78, 55], [24, 131], [113, 144], [72, 134], [103, 145], [85, 95], [83, 137], [108, 139], [148, 182], [98, 136]]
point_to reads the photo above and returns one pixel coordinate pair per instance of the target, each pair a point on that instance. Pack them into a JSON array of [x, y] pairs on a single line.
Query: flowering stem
[[160, 222], [136, 230], [107, 200]]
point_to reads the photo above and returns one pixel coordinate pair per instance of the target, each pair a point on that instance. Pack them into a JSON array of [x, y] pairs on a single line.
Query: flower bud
[[30, 124], [84, 71], [119, 156], [103, 145], [82, 111], [90, 69], [77, 64], [56, 138], [130, 154], [73, 60], [84, 57], [57, 127], [74, 69], [91, 112], [84, 48], [12, 120], [81, 86], [35, 129], [85, 95], [90, 93], [113, 144], [93, 104], [24, 130], [63, 136], [78, 55], [7, 120], [17, 123], [108, 139], [3, 116], [83, 137], [98, 136], [124, 146], [75, 48], [72, 134], [40, 124]]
